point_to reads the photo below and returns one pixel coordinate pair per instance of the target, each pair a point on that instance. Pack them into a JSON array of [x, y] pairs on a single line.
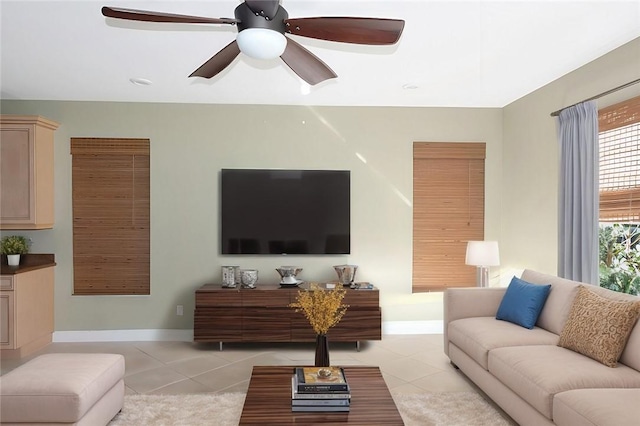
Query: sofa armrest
[[471, 302], [468, 303]]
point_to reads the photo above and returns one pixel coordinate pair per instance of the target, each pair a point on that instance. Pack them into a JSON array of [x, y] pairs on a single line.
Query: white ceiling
[[452, 53]]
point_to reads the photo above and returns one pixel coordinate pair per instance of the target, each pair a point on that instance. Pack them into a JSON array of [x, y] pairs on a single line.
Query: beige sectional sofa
[[526, 372]]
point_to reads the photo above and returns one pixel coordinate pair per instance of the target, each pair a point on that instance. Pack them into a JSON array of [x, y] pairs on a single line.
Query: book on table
[[322, 391], [321, 402], [320, 380], [307, 408], [311, 396]]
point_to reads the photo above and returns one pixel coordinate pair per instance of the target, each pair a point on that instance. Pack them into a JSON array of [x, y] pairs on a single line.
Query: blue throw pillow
[[523, 302]]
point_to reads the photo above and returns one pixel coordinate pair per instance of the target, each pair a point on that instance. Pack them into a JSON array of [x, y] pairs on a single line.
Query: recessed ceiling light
[[409, 86], [141, 81]]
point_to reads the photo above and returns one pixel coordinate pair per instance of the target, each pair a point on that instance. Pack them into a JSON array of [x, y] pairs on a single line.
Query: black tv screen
[[285, 211]]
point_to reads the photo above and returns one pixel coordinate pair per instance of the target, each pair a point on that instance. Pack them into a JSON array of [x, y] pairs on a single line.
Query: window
[[111, 202], [448, 211], [619, 138], [619, 127]]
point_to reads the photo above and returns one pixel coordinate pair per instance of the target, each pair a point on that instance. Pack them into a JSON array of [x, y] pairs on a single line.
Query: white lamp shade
[[261, 43], [482, 253]]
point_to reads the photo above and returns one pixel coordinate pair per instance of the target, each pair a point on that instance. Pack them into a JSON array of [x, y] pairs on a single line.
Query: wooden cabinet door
[[301, 330], [17, 174], [7, 324], [217, 325], [368, 299], [357, 324], [33, 292], [212, 297], [26, 172], [362, 324], [268, 298], [266, 325]]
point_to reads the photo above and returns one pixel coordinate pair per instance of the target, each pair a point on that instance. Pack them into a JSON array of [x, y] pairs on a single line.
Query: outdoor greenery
[[620, 258], [14, 244]]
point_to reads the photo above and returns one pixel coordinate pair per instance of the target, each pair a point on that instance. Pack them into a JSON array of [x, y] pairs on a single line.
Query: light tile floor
[[409, 363]]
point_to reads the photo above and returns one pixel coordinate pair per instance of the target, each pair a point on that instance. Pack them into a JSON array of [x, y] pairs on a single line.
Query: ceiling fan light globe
[[261, 43]]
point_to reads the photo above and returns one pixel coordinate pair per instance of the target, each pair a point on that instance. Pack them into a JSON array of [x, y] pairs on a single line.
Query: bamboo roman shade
[[111, 203], [448, 211], [619, 127]]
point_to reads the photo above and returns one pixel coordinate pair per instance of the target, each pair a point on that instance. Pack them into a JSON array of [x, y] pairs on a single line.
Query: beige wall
[[191, 143], [530, 155], [189, 146]]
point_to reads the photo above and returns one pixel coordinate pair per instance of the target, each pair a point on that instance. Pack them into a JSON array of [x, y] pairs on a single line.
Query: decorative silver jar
[[249, 277], [346, 273], [229, 276]]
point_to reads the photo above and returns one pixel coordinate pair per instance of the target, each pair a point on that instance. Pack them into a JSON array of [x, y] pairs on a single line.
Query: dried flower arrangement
[[323, 308]]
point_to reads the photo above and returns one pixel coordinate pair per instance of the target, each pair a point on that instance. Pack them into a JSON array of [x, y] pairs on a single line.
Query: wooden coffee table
[[268, 400]]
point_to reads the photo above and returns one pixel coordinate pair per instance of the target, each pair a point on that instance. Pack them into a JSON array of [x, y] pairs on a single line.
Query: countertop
[[28, 262]]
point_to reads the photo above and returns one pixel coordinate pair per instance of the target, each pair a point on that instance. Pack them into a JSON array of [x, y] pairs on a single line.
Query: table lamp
[[482, 254]]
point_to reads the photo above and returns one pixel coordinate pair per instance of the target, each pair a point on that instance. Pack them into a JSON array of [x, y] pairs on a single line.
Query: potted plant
[[13, 246]]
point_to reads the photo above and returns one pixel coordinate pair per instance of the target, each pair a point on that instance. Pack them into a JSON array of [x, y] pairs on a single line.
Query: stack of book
[[319, 389]]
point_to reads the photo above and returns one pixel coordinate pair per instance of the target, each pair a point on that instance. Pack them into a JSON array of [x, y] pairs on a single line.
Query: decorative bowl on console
[[288, 275], [346, 273]]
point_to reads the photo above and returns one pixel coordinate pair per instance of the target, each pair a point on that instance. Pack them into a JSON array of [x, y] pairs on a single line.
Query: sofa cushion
[[601, 407], [537, 373], [522, 302], [477, 336], [631, 353], [598, 327], [556, 309]]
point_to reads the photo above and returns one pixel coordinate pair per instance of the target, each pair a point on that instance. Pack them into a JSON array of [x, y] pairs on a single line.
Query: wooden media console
[[262, 314]]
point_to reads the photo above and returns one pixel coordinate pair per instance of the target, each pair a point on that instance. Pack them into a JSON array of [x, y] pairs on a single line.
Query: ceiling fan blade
[[348, 30], [264, 7], [304, 63], [218, 62], [146, 16]]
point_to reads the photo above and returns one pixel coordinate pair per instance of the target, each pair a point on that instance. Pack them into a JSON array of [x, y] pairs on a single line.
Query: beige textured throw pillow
[[598, 327]]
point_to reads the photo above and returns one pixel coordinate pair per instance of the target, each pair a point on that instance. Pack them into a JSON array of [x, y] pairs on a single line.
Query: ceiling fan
[[261, 28]]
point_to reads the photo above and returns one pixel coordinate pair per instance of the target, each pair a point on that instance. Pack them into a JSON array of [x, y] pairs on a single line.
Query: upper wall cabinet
[[26, 172]]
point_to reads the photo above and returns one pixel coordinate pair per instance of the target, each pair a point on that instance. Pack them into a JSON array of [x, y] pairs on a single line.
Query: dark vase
[[322, 350]]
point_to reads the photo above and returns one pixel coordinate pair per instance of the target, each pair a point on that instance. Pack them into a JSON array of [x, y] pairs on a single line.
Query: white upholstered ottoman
[[64, 388]]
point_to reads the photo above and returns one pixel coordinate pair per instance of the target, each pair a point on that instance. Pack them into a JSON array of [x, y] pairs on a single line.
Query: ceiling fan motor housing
[[249, 19]]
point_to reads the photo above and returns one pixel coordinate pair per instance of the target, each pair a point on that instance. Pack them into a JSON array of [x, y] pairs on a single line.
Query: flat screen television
[[285, 211]]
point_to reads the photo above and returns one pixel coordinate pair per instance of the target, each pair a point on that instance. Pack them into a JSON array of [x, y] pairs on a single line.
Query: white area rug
[[181, 410], [447, 409], [425, 409]]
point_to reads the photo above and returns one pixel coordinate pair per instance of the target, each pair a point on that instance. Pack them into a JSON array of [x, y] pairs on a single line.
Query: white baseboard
[[152, 335], [124, 336], [412, 327]]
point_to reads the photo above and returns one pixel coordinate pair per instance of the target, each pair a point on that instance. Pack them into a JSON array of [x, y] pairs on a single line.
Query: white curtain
[[578, 195]]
